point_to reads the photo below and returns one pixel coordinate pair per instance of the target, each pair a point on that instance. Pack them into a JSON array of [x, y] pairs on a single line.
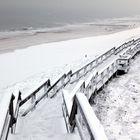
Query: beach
[[13, 40], [30, 56]]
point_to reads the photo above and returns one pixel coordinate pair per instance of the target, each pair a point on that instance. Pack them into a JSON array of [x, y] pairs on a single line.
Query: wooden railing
[[77, 74], [78, 112], [132, 51], [80, 72], [8, 114], [50, 90], [16, 105], [137, 41], [123, 46], [33, 92], [88, 124], [59, 84], [74, 102]]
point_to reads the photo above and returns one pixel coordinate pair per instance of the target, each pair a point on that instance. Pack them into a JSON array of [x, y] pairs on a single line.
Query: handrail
[[35, 90], [5, 116], [106, 54], [86, 68], [96, 59], [8, 114], [16, 106], [123, 46], [79, 109], [50, 91], [63, 83], [68, 97], [93, 125], [137, 41]]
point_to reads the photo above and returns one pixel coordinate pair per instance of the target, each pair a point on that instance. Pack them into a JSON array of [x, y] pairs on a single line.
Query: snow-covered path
[[117, 106], [44, 123]]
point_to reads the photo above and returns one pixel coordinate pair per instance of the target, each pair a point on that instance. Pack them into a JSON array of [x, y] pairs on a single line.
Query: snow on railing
[[94, 82], [77, 74], [80, 113], [90, 84], [9, 108], [137, 41], [98, 79], [132, 51], [5, 116], [105, 73], [126, 57], [59, 84], [68, 102], [33, 92], [16, 105], [123, 46], [80, 72], [68, 97], [50, 90], [88, 124]]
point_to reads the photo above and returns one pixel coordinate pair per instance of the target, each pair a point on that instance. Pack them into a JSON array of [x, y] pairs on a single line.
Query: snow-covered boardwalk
[[102, 72], [46, 120]]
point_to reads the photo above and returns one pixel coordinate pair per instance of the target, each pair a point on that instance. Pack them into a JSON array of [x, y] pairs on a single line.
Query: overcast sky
[[107, 6], [37, 10]]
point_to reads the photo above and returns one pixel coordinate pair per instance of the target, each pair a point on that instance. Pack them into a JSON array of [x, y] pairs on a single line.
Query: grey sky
[[99, 5], [21, 11]]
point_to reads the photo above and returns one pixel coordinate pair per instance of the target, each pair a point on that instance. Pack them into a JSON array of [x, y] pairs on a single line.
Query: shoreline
[[71, 32]]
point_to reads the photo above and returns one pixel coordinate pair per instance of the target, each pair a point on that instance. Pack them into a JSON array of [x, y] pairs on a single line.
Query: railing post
[[33, 101], [77, 75], [33, 98], [63, 81], [73, 115], [85, 70], [91, 66], [46, 86], [17, 111], [11, 112]]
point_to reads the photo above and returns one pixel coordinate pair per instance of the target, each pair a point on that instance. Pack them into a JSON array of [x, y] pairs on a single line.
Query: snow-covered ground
[[117, 106]]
